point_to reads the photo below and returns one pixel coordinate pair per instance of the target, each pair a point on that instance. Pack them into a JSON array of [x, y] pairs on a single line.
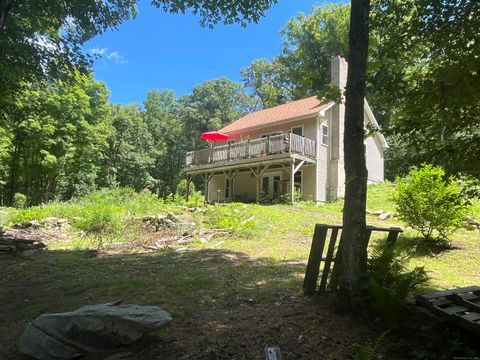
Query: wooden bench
[[316, 253]]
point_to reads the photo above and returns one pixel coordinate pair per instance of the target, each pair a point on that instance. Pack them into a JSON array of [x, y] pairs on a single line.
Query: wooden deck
[[263, 149]]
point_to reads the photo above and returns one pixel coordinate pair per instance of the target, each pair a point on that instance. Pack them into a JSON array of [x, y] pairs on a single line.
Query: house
[[298, 143]]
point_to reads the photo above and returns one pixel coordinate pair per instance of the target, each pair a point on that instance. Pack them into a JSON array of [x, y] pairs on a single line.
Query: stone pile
[[169, 221], [382, 215], [11, 245], [472, 225], [47, 223]]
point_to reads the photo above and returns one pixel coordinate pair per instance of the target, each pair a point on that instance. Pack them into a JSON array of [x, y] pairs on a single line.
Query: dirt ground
[[225, 305]]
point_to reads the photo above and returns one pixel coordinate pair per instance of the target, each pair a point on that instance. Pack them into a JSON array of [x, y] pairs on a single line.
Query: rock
[[91, 329], [171, 216], [378, 212], [385, 215]]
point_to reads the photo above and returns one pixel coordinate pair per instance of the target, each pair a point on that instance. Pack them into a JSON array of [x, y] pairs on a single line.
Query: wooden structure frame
[[316, 253]]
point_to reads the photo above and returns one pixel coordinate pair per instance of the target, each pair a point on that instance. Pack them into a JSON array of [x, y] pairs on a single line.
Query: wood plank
[[453, 309], [465, 301], [313, 265], [328, 260]]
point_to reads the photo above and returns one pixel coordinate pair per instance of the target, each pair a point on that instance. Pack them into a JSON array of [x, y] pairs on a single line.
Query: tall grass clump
[[235, 216], [104, 212]]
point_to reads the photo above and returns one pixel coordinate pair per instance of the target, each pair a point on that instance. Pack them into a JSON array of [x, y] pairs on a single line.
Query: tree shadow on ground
[[225, 304], [416, 246]]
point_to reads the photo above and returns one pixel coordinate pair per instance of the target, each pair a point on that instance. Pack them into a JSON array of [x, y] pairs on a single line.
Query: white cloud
[[108, 55]]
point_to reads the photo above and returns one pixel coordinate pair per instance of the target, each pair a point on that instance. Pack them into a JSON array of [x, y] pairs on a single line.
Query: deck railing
[[270, 145]]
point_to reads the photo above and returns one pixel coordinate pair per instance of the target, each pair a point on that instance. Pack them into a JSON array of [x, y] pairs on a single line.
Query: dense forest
[[60, 137]]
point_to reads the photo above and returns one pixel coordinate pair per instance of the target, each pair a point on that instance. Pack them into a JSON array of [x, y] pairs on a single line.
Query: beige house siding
[[216, 183], [374, 155], [309, 130], [322, 162], [308, 182]]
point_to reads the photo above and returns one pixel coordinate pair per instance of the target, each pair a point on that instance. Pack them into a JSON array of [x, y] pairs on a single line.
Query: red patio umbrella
[[214, 136]]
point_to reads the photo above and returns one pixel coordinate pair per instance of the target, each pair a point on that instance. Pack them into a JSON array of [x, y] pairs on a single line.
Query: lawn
[[231, 296]]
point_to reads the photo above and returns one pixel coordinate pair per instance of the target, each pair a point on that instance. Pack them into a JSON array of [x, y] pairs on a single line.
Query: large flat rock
[[90, 329]]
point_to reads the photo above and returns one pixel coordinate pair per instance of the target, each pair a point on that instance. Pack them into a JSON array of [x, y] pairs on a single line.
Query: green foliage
[[19, 201], [286, 198], [430, 202], [370, 351], [212, 12], [427, 74], [303, 67], [182, 188], [103, 213], [234, 216], [391, 282]]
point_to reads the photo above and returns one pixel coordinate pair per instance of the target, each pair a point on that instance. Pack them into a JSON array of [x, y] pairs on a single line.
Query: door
[[271, 185]]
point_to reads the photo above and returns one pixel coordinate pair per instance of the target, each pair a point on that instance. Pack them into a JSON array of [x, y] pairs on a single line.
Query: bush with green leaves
[[391, 282], [430, 202], [19, 201]]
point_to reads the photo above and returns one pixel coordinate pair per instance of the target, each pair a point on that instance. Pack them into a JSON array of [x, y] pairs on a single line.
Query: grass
[[221, 282]]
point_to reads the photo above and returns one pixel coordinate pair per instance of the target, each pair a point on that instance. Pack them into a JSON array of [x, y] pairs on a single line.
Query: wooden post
[[257, 178], [206, 188], [314, 259], [292, 182]]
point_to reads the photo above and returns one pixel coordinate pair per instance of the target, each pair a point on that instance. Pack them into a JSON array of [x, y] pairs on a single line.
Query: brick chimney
[[336, 176]]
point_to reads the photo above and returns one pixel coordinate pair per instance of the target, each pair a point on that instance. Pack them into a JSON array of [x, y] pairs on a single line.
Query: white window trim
[[303, 129], [321, 135]]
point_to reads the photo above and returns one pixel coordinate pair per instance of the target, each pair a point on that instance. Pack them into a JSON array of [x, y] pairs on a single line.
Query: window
[[271, 134], [297, 130], [297, 180], [324, 135], [227, 188], [265, 184]]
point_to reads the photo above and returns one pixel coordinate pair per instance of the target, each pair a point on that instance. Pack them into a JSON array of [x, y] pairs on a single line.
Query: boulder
[[386, 215], [91, 329]]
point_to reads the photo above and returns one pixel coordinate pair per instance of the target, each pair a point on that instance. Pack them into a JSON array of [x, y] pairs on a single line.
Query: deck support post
[[257, 176], [292, 182], [188, 187]]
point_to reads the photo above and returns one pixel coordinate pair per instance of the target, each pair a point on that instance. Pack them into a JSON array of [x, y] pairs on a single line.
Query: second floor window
[[324, 135], [298, 130]]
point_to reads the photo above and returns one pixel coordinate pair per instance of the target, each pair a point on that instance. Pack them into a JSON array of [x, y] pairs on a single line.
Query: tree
[[42, 39], [169, 139], [212, 105], [430, 48], [351, 260], [56, 138], [303, 67], [130, 153], [268, 81]]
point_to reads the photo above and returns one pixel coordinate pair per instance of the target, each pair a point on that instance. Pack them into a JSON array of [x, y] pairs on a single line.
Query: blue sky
[[159, 50]]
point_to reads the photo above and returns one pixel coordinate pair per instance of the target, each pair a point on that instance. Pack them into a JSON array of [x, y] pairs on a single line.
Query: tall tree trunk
[[351, 261], [5, 7]]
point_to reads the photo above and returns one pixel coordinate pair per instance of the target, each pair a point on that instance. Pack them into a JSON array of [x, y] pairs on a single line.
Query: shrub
[[391, 282], [429, 202], [19, 201]]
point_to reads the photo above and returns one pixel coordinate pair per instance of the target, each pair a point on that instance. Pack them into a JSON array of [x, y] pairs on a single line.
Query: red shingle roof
[[294, 109]]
